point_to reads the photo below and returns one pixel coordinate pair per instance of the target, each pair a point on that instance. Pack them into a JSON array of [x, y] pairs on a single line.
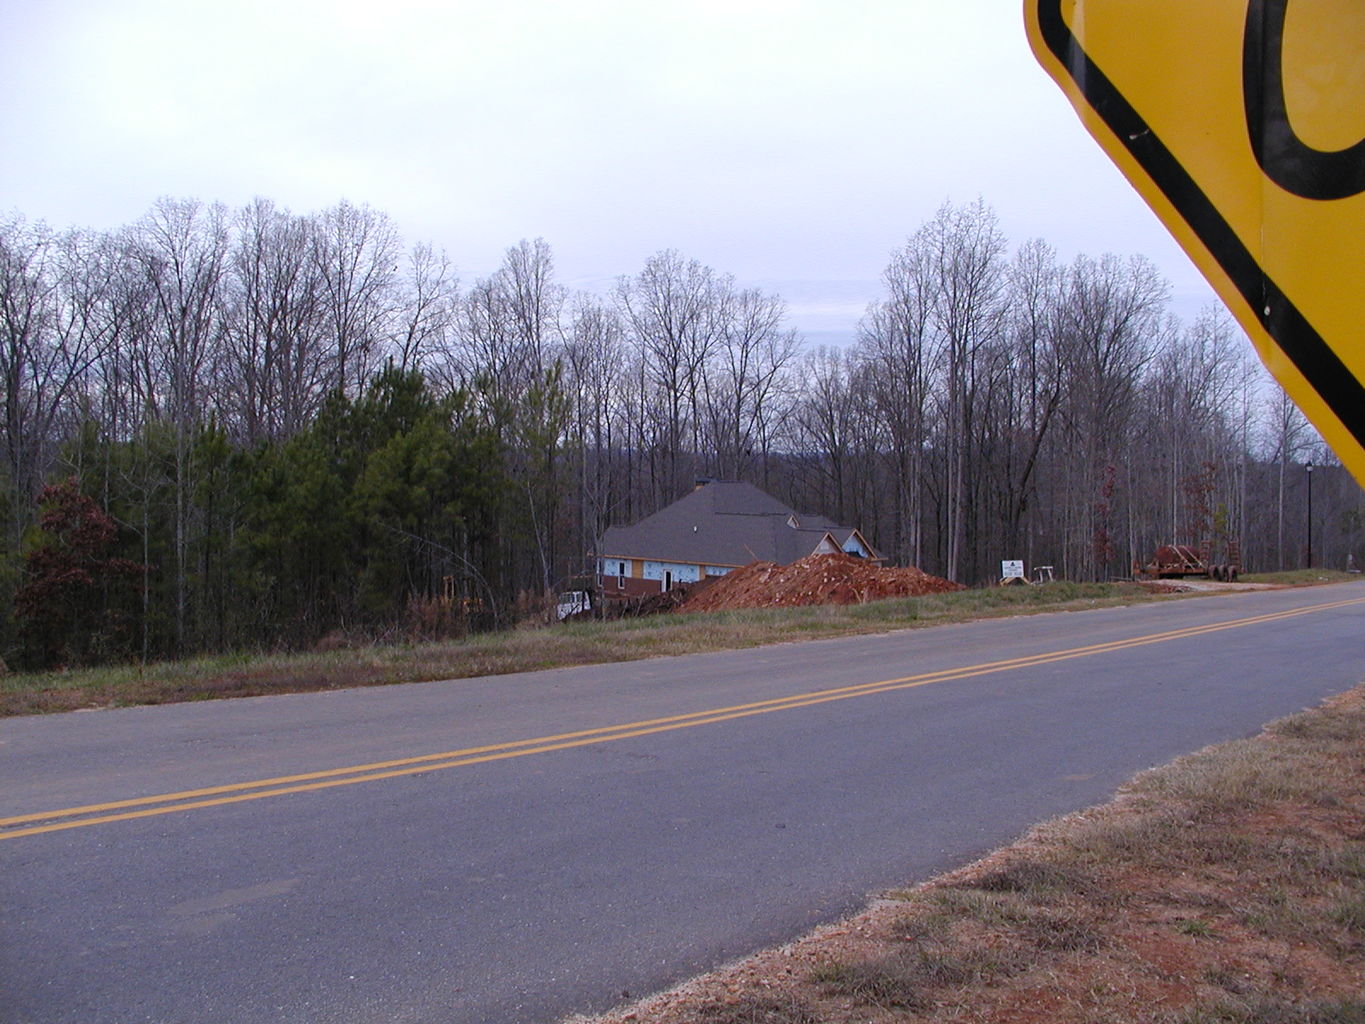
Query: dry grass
[[1225, 888], [756, 1009], [526, 649], [1300, 577]]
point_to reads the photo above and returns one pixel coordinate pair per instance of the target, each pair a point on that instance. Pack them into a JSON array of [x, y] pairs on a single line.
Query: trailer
[[1177, 561]]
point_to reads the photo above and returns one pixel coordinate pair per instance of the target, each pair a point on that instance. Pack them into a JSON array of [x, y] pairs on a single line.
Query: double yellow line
[[22, 825]]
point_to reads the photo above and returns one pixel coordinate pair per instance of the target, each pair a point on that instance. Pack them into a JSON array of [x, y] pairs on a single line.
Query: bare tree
[[826, 426], [739, 383], [1112, 321], [595, 358], [967, 249], [51, 334], [276, 365], [670, 308], [508, 348], [1195, 374], [897, 340], [534, 300], [1290, 439], [356, 257], [429, 308], [1034, 380], [180, 249], [508, 332]]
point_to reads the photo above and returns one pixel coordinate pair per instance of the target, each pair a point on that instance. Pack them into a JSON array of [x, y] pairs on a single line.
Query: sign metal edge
[[1258, 304]]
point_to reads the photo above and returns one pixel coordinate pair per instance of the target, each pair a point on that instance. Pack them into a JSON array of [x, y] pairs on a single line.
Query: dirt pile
[[815, 579]]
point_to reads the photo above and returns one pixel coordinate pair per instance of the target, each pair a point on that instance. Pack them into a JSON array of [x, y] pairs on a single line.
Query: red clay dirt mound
[[815, 579]]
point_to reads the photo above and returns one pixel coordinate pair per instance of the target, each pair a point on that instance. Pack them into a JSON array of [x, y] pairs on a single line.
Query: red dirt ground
[[815, 579]]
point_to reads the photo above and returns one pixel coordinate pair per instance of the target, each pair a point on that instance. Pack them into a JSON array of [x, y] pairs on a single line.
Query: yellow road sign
[[1242, 124]]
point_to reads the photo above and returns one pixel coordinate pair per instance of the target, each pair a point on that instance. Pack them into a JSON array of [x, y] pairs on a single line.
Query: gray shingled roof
[[722, 523]]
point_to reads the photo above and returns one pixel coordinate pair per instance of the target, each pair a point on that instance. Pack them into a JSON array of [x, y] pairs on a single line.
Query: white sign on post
[[1012, 570]]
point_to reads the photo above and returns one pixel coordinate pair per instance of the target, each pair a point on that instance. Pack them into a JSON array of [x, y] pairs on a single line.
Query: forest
[[248, 429]]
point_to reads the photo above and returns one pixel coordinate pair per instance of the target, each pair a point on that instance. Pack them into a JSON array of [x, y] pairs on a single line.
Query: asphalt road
[[534, 845]]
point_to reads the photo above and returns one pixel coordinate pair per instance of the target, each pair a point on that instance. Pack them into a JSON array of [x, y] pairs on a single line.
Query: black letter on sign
[[1295, 167]]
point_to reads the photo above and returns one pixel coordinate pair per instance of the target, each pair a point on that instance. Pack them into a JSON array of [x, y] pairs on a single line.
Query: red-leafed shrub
[[78, 602]]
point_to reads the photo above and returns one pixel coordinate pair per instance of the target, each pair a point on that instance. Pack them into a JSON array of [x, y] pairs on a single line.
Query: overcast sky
[[791, 144]]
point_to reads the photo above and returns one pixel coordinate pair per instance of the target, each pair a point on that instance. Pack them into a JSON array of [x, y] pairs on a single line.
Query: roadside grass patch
[[1194, 927], [911, 977], [1349, 912], [1299, 577], [887, 981], [1277, 1011], [1036, 879], [755, 1009], [341, 662], [1348, 863], [1241, 776], [1059, 934], [1329, 729]]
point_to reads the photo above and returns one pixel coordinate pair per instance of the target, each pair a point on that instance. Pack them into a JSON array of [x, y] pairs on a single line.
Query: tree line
[[228, 428]]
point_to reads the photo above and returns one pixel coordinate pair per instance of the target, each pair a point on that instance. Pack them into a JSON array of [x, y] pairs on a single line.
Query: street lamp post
[[1310, 514]]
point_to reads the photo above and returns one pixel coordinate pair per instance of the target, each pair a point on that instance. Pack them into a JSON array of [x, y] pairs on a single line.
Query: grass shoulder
[[1301, 577], [531, 648], [528, 648]]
